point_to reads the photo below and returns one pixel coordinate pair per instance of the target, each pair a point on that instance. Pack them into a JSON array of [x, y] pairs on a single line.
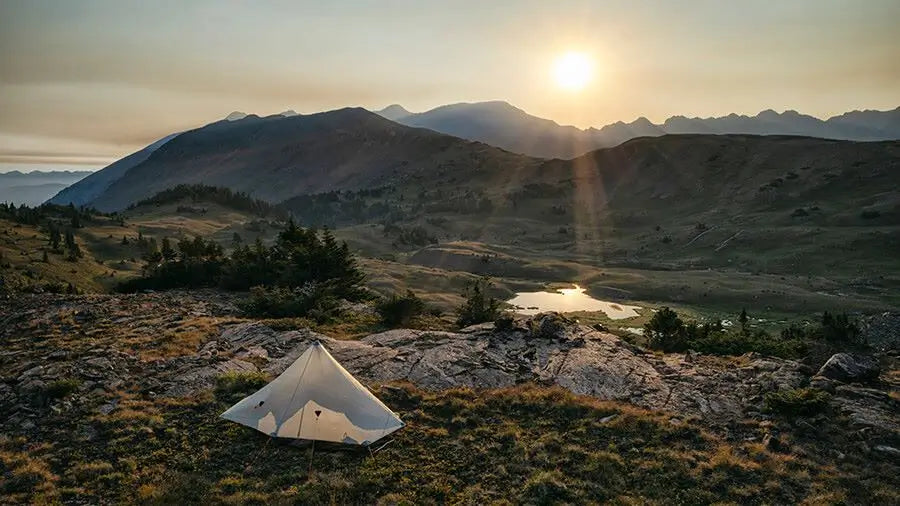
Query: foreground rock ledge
[[578, 358]]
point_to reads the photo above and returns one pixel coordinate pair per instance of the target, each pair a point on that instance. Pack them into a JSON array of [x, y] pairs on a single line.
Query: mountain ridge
[[501, 124], [276, 157]]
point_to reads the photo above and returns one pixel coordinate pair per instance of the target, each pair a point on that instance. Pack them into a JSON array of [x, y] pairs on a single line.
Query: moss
[[797, 402]]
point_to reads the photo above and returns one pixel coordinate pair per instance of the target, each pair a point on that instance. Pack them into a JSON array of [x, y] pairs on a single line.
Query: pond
[[567, 300]]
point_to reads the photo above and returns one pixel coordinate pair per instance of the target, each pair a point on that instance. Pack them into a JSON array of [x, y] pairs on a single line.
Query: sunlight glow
[[573, 71]]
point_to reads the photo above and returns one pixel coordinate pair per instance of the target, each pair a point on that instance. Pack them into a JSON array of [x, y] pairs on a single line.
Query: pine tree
[[54, 237], [124, 240], [168, 253], [70, 239], [45, 258], [743, 319]]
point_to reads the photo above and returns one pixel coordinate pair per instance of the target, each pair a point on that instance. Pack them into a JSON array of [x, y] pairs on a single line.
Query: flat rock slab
[[578, 358]]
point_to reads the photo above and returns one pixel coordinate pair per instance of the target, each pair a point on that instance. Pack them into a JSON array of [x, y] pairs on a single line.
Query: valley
[[593, 253]]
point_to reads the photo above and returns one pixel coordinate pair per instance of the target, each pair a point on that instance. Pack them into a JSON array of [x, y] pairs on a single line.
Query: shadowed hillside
[[278, 157]]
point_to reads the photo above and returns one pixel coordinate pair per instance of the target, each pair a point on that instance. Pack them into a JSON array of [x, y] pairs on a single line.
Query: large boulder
[[850, 368]]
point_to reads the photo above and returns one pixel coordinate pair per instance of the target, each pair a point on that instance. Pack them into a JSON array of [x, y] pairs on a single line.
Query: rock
[[58, 355], [108, 407], [888, 450], [867, 408], [550, 350], [823, 383], [551, 325], [882, 331], [254, 352], [847, 367]]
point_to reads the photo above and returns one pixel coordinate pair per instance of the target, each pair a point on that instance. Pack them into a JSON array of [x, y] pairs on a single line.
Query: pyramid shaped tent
[[317, 399]]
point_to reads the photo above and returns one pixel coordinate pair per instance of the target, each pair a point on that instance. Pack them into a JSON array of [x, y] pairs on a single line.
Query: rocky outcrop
[[848, 368], [550, 351], [882, 331], [83, 352]]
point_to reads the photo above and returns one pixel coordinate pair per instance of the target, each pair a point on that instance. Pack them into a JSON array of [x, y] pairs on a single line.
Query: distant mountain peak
[[235, 116], [393, 112], [643, 122], [288, 113]]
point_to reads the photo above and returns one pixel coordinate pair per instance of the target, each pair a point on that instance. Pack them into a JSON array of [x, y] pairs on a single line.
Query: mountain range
[[286, 156], [33, 188], [500, 124]]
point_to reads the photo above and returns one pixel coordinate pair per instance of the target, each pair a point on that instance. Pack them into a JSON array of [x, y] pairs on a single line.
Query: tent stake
[[311, 453]]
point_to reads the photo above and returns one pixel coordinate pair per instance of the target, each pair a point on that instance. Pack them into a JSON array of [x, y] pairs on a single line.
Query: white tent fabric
[[317, 399]]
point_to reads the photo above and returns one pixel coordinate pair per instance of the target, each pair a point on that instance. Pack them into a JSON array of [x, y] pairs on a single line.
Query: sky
[[83, 83]]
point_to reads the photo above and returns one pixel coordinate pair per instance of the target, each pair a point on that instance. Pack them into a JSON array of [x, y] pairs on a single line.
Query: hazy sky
[[85, 82]]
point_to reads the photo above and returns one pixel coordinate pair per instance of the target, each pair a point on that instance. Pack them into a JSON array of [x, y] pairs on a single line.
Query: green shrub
[[313, 300], [796, 402], [665, 331], [399, 311], [478, 307], [832, 328], [739, 342], [239, 384]]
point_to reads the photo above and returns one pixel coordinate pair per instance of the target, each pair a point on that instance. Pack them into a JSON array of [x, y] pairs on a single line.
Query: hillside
[[86, 190], [113, 247], [278, 157], [567, 414], [500, 124]]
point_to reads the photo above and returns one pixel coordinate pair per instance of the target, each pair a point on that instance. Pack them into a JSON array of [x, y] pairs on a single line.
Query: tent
[[316, 399]]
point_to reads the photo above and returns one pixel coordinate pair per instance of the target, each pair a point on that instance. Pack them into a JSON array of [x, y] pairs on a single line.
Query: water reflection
[[566, 300]]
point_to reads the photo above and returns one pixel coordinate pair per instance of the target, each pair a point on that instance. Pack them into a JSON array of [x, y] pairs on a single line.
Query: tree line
[[218, 195]]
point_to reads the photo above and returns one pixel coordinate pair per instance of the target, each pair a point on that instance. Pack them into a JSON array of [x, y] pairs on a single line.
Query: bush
[[399, 311], [478, 307], [832, 328], [239, 384], [665, 331], [796, 402], [313, 300], [740, 342]]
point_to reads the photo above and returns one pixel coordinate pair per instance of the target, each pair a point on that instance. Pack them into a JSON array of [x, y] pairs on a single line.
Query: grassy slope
[[523, 444], [106, 260], [22, 247]]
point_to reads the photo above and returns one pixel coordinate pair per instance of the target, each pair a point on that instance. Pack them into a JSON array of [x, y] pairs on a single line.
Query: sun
[[573, 70]]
